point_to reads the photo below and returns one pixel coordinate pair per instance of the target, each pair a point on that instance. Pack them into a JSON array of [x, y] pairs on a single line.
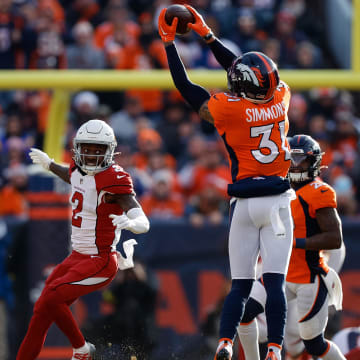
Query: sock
[[83, 349], [234, 306], [275, 307], [248, 336], [333, 352]]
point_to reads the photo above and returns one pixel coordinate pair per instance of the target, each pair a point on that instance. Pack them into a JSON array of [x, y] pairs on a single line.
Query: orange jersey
[[305, 264], [254, 134]]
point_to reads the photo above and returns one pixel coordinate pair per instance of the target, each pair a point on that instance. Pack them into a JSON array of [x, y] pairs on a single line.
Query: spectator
[[286, 32], [85, 107], [344, 188], [82, 10], [12, 196], [49, 49], [162, 202], [247, 35], [174, 115], [149, 142], [308, 56], [124, 121], [83, 54], [209, 171], [207, 207], [271, 48], [298, 115]]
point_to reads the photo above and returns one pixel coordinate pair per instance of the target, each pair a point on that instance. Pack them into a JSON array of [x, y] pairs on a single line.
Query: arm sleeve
[[223, 55], [194, 94]]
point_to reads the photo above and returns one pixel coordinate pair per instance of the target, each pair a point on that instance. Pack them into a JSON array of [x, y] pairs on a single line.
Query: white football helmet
[[95, 132]]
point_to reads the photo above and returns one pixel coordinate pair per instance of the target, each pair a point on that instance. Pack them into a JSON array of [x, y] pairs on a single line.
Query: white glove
[[120, 221], [39, 157], [134, 220]]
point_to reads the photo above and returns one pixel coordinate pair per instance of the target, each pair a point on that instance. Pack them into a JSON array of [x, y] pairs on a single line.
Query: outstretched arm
[[223, 55], [194, 94], [39, 157]]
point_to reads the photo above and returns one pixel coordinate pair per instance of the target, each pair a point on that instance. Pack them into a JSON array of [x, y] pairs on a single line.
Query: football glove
[[39, 157], [199, 26], [167, 32], [135, 221]]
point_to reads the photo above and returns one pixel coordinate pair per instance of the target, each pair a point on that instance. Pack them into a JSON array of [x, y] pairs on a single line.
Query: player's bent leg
[[325, 349]]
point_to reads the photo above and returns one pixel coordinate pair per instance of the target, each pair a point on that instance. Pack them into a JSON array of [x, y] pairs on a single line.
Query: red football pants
[[77, 275]]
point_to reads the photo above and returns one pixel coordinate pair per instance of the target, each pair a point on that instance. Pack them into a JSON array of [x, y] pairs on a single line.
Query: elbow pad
[[139, 223]]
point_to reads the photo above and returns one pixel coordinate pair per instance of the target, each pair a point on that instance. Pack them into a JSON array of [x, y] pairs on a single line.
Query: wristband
[[300, 243], [208, 36]]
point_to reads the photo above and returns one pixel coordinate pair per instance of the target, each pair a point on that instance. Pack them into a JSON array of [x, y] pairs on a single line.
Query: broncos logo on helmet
[[253, 76]]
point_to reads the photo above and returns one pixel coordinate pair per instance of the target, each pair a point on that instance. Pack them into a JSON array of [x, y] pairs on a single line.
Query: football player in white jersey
[[103, 203]]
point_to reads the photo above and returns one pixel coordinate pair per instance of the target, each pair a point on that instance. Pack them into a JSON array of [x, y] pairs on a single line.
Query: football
[[184, 16]]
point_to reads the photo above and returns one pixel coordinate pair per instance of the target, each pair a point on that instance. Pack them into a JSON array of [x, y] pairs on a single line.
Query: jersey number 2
[[265, 142], [77, 199]]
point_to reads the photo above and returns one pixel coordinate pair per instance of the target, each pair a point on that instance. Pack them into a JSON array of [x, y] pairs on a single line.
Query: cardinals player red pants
[[77, 275]]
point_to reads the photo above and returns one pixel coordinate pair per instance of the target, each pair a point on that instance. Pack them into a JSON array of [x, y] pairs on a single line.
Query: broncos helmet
[[303, 147], [94, 132], [253, 76]]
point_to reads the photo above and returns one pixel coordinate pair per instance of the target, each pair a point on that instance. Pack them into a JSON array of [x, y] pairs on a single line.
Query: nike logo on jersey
[[163, 32], [120, 176], [324, 190], [94, 256]]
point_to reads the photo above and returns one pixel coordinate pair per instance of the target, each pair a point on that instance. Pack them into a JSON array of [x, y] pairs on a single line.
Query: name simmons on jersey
[[262, 114]]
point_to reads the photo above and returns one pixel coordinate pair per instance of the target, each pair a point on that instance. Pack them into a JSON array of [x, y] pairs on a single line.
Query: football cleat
[[224, 351], [271, 355], [85, 356]]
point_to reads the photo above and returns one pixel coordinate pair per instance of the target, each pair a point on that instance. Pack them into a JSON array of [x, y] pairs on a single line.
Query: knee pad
[[252, 309], [316, 346]]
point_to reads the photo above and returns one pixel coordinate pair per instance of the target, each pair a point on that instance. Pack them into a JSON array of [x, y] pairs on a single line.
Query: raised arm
[[39, 157], [194, 94], [223, 55]]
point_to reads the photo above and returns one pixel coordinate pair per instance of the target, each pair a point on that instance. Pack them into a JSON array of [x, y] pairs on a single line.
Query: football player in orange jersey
[[103, 202], [252, 121], [309, 281]]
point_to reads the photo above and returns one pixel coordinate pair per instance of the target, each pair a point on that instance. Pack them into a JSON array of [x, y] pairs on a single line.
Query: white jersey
[[92, 229]]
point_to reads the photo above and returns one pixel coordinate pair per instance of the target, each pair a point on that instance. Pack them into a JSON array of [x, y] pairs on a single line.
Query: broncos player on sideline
[[103, 202], [309, 281], [252, 121]]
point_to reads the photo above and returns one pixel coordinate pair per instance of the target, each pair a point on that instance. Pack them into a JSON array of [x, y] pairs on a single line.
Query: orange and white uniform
[[254, 134], [306, 291], [306, 264], [255, 138]]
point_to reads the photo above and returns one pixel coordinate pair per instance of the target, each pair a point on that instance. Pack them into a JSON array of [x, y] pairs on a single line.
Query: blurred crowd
[[178, 164]]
